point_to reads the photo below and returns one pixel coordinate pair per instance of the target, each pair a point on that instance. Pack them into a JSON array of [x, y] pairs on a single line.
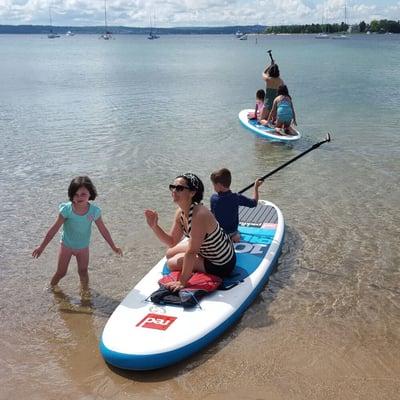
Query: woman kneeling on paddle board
[[208, 249]]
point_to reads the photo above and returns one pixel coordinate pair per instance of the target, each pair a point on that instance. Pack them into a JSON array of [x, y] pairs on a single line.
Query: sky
[[183, 13]]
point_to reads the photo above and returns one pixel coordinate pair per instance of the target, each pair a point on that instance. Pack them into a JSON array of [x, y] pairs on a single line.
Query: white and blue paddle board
[[267, 132], [141, 335]]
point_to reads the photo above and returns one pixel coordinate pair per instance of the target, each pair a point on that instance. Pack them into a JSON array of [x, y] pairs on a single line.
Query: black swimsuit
[[217, 248]]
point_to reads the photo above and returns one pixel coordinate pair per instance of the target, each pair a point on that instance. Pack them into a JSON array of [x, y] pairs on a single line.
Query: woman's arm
[[49, 236], [107, 236], [171, 238], [200, 221], [265, 74]]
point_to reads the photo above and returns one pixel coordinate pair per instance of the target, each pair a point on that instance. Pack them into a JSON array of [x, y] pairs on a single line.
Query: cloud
[[168, 13]]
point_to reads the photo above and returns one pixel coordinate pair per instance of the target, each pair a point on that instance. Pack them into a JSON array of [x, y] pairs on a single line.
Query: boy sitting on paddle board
[[225, 204]]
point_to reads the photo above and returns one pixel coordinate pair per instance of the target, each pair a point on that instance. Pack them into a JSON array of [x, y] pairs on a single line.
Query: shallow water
[[132, 114]]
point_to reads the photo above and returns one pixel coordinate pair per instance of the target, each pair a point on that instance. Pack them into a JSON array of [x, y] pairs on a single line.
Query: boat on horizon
[[343, 35], [152, 34], [107, 34], [51, 34], [322, 35]]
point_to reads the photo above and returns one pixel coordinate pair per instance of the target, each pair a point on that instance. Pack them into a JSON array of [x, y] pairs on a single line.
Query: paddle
[[270, 56], [313, 147]]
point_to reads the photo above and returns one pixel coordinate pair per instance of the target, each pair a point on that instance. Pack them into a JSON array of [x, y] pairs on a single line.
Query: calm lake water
[[132, 114]]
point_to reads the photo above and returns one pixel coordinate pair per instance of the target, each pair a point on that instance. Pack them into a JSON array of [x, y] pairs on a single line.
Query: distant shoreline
[[117, 30], [376, 27]]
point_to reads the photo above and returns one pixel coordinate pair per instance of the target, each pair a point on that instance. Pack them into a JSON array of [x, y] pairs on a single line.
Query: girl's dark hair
[[195, 184], [274, 71], [283, 91], [81, 181], [260, 94]]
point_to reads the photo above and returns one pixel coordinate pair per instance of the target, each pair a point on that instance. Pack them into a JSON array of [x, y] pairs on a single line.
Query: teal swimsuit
[[77, 228], [284, 112]]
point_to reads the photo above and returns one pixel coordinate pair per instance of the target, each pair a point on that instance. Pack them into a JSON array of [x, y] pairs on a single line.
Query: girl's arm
[[49, 236], [107, 236], [272, 114], [170, 239], [294, 115]]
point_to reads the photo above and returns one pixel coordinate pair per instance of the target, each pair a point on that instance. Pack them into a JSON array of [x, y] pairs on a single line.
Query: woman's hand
[[174, 286], [151, 218]]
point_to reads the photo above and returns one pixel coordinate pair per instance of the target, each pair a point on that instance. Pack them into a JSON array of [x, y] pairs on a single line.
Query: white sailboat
[[51, 34], [322, 35], [344, 34], [153, 35], [107, 34]]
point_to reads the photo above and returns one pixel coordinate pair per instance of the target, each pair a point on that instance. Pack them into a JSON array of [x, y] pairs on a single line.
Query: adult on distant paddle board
[[208, 249], [271, 76]]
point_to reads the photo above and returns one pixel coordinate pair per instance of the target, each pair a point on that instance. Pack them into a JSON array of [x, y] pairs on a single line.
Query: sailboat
[[107, 34], [152, 35], [343, 35], [322, 35], [51, 34]]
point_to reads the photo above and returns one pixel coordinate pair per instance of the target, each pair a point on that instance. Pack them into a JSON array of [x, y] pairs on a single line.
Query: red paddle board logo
[[156, 321]]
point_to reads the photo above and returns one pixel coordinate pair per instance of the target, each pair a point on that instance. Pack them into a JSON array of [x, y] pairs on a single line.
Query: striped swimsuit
[[216, 249]]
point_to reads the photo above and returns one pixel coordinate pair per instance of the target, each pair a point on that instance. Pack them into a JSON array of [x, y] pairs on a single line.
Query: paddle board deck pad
[[267, 132], [141, 335]]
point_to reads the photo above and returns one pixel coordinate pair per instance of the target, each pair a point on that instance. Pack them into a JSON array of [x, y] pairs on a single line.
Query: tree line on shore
[[374, 26], [124, 30]]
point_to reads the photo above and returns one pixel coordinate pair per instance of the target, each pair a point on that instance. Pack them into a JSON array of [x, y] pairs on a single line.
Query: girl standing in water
[[76, 217]]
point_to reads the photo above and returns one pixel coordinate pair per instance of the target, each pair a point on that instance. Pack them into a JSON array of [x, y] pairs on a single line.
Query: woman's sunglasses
[[178, 188]]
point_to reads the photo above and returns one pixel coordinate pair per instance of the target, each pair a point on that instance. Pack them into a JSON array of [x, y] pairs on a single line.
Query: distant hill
[[44, 29]]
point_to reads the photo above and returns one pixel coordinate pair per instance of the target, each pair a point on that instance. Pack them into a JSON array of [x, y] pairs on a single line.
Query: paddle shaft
[[313, 147], [270, 56]]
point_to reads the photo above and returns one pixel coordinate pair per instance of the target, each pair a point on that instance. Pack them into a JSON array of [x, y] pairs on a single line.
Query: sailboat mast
[[105, 15], [51, 23]]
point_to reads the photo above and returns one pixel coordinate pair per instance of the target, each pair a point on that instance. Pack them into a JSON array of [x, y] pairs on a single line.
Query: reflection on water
[[132, 118]]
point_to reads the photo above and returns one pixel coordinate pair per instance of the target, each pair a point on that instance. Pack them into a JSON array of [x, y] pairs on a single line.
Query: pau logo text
[[156, 321]]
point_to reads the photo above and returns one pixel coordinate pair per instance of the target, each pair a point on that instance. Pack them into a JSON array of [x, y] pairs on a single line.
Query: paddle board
[[267, 132], [141, 335]]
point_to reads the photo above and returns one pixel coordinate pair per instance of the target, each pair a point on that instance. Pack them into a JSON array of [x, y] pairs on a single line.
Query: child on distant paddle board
[[76, 217], [283, 111], [257, 113], [225, 204]]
